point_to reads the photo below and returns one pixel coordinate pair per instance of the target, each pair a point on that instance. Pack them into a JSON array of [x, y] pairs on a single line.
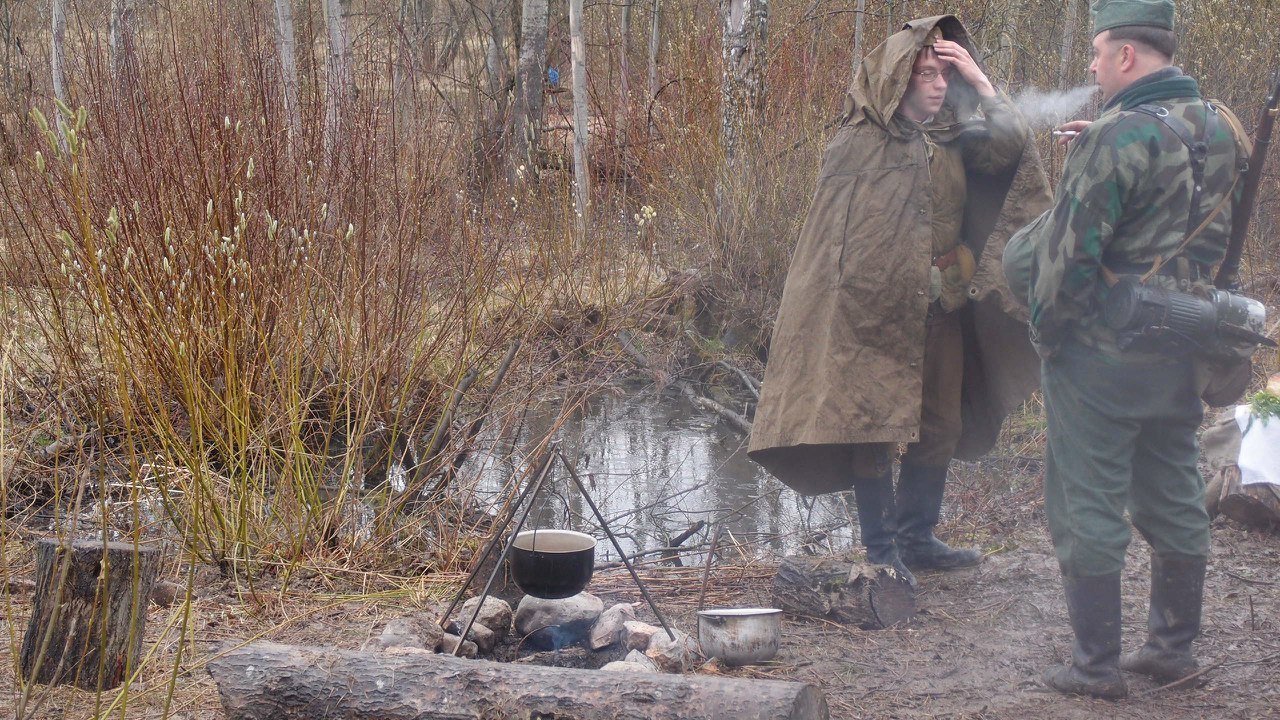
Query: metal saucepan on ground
[[740, 636]]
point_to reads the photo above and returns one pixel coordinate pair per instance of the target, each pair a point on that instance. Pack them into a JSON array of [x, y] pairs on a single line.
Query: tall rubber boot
[[1177, 594], [1094, 606], [919, 509], [878, 521]]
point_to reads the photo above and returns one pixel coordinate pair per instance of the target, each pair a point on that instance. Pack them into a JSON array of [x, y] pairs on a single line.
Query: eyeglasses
[[928, 76]]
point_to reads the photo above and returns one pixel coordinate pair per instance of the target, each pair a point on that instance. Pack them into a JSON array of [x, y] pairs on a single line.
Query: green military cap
[[1109, 14]]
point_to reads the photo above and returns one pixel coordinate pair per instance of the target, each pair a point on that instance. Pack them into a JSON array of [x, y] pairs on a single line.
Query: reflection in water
[[655, 466]]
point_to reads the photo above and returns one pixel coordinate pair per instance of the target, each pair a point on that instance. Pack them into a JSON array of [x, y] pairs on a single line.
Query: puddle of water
[[655, 465]]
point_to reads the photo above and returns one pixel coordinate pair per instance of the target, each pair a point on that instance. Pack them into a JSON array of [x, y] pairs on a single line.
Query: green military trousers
[[1122, 434]]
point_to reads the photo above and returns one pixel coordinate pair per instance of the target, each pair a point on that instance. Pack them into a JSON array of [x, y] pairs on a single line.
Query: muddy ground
[[982, 637], [975, 649]]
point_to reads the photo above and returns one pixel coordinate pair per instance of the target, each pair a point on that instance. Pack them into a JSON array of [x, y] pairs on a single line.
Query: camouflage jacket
[[1124, 201]]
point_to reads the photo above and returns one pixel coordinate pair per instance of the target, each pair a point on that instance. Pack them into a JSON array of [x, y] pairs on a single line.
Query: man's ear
[[1128, 57]]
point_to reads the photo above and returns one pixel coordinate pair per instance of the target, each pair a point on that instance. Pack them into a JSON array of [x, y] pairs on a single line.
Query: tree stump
[[872, 597], [88, 612], [265, 681]]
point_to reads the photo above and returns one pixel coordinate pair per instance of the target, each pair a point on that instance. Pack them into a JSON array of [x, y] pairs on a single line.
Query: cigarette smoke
[[1045, 109]]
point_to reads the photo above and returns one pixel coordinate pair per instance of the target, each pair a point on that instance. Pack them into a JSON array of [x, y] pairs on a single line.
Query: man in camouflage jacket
[[1122, 424]]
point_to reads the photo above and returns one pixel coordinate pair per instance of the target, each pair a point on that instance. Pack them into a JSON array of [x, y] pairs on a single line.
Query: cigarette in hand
[[1065, 133]]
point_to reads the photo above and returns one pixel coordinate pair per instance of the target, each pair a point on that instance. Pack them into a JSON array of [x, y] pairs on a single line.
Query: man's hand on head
[[954, 54]]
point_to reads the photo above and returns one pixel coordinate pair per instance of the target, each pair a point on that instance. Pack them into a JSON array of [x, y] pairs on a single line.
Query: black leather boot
[[919, 509], [1177, 594], [1094, 606], [878, 521]]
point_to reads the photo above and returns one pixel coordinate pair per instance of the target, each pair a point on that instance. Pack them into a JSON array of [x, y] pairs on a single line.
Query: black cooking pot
[[552, 564]]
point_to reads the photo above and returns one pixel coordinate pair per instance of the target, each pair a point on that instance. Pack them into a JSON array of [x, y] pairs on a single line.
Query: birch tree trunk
[[288, 71], [745, 59], [581, 120], [526, 116], [418, 16], [120, 43], [624, 78], [860, 11], [1005, 63], [745, 56], [655, 45], [1066, 52], [338, 85], [495, 58], [58, 11]]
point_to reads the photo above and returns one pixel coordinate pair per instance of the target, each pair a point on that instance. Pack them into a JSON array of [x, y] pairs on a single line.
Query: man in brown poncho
[[896, 325]]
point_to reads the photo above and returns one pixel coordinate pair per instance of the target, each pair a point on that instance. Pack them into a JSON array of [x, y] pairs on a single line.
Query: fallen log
[[88, 613], [265, 681], [871, 597]]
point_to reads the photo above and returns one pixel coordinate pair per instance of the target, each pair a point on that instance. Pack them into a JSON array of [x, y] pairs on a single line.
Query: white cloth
[[1259, 448]]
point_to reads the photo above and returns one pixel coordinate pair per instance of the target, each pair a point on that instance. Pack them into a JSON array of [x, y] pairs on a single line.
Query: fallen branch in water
[[676, 541], [419, 473], [474, 428], [632, 352], [664, 551], [737, 421], [67, 444], [688, 533], [753, 385]]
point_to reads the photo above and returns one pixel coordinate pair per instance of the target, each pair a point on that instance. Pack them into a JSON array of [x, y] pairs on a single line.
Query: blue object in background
[[553, 76]]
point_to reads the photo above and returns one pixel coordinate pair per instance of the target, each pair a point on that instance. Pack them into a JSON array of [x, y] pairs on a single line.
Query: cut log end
[[1256, 505]]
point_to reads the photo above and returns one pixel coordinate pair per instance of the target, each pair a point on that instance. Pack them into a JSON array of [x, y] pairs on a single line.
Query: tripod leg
[[605, 527]]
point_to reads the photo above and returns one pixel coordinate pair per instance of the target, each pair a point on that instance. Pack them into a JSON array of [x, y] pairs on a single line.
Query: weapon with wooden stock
[[1230, 267]]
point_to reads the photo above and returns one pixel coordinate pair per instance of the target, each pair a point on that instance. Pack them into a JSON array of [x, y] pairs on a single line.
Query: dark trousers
[[1122, 435]]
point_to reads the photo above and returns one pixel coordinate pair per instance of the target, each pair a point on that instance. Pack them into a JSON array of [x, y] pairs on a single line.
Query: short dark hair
[[1160, 40]]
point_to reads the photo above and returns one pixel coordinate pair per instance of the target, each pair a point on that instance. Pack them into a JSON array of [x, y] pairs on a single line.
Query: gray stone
[[416, 631], [636, 635], [608, 628], [164, 593], [20, 586], [450, 641], [635, 657], [495, 614], [624, 666], [483, 637], [673, 656], [554, 624]]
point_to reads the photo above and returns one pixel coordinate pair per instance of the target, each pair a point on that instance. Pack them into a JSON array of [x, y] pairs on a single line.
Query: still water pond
[[655, 466]]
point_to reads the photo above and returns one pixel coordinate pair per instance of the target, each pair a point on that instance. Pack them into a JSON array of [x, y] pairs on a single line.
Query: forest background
[[269, 263]]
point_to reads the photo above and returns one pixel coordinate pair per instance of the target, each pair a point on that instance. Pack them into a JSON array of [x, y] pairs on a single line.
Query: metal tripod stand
[[526, 498]]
